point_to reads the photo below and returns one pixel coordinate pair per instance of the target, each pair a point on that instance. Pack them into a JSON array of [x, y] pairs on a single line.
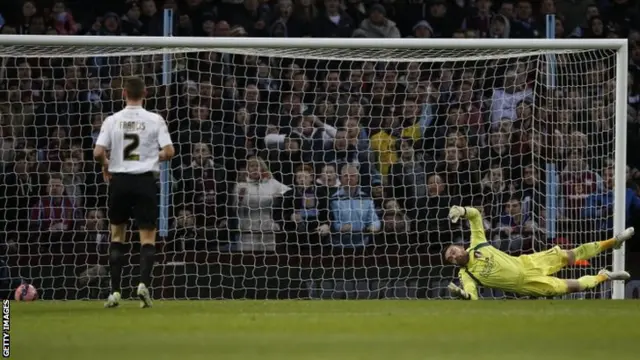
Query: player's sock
[[591, 281], [147, 254], [116, 254], [587, 251]]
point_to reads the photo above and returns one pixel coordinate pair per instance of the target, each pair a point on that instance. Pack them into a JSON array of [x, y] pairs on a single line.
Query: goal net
[[308, 173]]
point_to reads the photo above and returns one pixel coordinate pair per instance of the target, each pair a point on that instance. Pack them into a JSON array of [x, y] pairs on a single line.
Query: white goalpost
[[426, 123]]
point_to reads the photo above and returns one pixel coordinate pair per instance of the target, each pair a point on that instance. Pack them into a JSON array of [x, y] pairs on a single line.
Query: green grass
[[335, 330]]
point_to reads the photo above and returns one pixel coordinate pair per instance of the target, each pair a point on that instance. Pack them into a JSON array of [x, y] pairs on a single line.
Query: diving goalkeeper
[[484, 265]]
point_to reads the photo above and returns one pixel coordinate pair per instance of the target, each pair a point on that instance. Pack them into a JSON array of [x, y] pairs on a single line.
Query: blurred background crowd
[[308, 154]]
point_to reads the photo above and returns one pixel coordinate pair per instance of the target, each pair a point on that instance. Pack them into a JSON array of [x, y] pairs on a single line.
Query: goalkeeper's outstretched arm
[[475, 221], [469, 290]]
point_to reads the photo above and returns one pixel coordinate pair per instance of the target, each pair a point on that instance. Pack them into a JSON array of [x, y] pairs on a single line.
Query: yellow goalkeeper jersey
[[487, 265]]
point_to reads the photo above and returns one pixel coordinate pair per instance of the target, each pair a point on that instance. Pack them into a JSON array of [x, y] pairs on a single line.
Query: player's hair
[[135, 88], [55, 176]]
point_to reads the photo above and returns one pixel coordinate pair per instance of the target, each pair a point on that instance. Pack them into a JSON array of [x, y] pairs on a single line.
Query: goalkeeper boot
[[623, 236], [113, 300], [144, 296], [615, 275]]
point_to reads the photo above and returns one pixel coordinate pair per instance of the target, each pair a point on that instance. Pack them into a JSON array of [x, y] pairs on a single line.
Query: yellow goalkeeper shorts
[[537, 270], [544, 263], [541, 286]]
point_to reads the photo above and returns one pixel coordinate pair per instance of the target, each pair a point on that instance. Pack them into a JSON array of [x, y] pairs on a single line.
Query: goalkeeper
[[484, 265]]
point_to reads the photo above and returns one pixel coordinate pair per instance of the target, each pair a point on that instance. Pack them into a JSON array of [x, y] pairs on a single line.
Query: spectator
[[495, 190], [131, 23], [482, 19], [291, 26], [151, 19], [284, 161], [186, 236], [63, 19], [73, 179], [599, 205], [408, 177], [19, 193], [253, 18], [498, 150], [579, 181], [55, 212], [443, 22], [29, 11], [353, 216], [305, 209], [357, 10], [471, 106], [305, 12], [198, 129], [358, 138], [314, 136], [377, 25], [507, 9], [93, 236], [560, 28], [343, 152], [52, 154], [524, 25], [505, 101], [530, 182], [516, 227], [422, 30], [329, 178], [432, 209], [7, 146], [595, 28], [202, 189], [383, 142], [255, 198], [500, 27], [332, 22], [574, 12], [111, 25]]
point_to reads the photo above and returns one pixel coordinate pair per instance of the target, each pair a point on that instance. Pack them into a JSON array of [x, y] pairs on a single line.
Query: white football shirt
[[134, 136]]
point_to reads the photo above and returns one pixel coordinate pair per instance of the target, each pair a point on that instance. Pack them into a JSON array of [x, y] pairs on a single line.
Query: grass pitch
[[332, 330]]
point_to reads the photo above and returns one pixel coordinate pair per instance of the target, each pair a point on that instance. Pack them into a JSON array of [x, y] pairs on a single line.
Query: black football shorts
[[134, 196]]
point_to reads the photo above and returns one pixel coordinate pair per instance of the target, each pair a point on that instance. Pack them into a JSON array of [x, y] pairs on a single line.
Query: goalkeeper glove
[[456, 212], [458, 292]]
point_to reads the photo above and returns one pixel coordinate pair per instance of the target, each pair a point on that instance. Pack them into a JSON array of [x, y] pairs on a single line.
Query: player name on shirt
[[134, 136], [128, 126]]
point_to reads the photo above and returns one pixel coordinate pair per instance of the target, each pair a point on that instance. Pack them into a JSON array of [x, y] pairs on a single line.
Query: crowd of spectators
[[305, 152]]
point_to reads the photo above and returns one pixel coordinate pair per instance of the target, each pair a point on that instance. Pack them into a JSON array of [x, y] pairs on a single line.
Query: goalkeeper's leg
[[591, 281], [543, 286], [587, 251]]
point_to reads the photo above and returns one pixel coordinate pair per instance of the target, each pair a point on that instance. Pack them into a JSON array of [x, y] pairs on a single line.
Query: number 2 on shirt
[[129, 153]]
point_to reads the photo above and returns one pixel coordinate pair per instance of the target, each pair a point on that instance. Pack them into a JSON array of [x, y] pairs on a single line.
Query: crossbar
[[305, 43]]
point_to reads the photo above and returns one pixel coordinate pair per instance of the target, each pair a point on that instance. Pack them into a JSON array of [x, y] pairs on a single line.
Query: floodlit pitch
[[342, 330]]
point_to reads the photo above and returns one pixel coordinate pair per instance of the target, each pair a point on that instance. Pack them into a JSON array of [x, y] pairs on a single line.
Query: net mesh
[[268, 141]]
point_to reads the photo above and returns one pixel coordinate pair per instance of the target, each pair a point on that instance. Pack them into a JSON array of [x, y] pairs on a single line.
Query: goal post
[[622, 69], [435, 56]]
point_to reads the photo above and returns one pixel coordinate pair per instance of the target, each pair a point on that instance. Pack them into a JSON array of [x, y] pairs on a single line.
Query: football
[[26, 292]]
